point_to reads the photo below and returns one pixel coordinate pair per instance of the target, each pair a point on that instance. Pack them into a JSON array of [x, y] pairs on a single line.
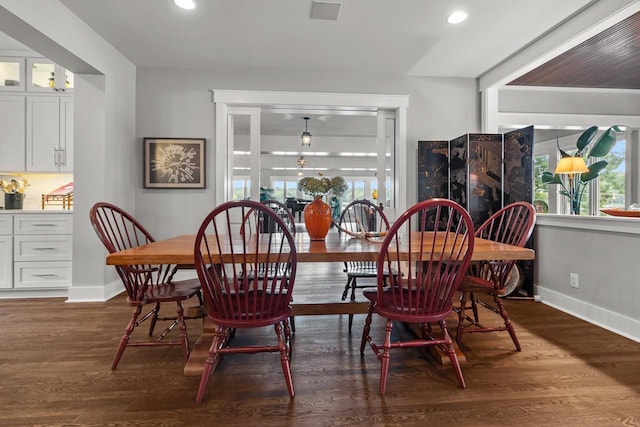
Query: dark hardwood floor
[[56, 358]]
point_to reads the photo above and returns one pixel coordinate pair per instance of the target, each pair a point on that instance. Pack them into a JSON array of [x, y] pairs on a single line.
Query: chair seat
[[180, 290], [388, 306], [363, 271], [477, 285], [269, 272], [265, 308]]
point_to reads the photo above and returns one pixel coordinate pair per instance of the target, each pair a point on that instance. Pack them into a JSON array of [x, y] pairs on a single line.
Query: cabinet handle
[[45, 275], [55, 156], [44, 249], [63, 161], [44, 225]]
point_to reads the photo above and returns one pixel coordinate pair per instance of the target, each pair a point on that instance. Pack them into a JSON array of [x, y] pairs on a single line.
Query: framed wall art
[[174, 163]]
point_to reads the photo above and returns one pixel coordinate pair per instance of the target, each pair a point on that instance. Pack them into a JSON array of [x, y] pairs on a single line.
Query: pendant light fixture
[[302, 162], [306, 136]]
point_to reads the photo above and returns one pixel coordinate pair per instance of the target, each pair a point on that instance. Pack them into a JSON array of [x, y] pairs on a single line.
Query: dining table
[[336, 247]]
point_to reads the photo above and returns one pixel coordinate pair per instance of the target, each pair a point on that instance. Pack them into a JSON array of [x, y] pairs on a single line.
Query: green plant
[[587, 148], [322, 185]]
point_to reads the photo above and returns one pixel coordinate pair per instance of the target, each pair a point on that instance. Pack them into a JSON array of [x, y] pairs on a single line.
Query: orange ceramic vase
[[317, 219]]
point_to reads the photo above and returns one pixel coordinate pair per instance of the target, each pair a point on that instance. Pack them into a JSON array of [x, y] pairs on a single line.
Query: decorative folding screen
[[482, 172]]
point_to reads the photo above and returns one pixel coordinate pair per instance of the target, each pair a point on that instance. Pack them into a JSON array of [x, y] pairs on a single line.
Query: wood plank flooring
[[56, 358]]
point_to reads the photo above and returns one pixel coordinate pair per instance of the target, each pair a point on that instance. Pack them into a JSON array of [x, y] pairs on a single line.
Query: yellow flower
[[15, 186]]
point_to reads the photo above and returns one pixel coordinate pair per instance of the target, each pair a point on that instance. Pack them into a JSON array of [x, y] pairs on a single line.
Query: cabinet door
[[6, 262], [66, 134], [45, 76], [43, 133], [12, 133], [12, 74]]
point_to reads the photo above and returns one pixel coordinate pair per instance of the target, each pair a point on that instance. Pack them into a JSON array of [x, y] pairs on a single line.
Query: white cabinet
[[12, 133], [42, 251], [49, 136], [12, 76], [45, 76], [6, 251]]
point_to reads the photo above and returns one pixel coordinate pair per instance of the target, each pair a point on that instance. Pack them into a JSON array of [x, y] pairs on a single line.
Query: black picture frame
[[174, 163]]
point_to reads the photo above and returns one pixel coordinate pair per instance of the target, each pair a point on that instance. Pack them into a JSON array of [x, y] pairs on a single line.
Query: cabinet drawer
[[6, 224], [43, 224], [6, 262], [52, 274], [42, 248]]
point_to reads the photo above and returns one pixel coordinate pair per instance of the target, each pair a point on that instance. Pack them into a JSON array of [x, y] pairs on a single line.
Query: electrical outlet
[[573, 280]]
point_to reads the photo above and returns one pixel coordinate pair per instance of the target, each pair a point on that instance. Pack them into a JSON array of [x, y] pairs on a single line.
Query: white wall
[[177, 103], [600, 250], [104, 122], [603, 252]]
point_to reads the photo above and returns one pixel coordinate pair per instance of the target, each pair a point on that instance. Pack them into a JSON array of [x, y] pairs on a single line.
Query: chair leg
[[365, 331], [124, 341], [451, 352], [184, 337], [385, 357], [218, 338], [154, 318], [346, 288], [474, 306], [461, 318], [507, 321], [292, 319], [287, 337], [284, 359], [350, 323], [353, 289]]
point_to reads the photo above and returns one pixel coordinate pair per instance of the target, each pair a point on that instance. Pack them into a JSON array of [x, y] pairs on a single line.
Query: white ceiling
[[390, 37], [397, 37]]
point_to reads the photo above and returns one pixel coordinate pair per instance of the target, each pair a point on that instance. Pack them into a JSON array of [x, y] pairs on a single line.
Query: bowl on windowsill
[[632, 212]]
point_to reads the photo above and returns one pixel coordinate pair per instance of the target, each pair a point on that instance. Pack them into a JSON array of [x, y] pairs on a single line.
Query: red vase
[[317, 219]]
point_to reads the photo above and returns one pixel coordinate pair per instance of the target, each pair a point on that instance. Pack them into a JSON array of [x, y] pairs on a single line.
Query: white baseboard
[[614, 322], [95, 293], [33, 293]]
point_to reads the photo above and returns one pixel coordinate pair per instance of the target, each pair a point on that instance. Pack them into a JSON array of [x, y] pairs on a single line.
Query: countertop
[[35, 211]]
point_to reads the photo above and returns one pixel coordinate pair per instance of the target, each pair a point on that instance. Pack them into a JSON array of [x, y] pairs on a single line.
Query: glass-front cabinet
[[12, 76], [45, 76]]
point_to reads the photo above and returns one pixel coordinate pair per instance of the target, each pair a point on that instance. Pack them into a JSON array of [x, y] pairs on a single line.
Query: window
[[610, 190], [283, 188], [241, 188], [278, 190], [540, 190], [361, 188], [611, 184]]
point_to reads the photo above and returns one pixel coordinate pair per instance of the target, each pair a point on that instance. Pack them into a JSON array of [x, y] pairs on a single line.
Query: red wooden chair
[[513, 225], [285, 213], [145, 284], [234, 299], [255, 220], [426, 280], [358, 217]]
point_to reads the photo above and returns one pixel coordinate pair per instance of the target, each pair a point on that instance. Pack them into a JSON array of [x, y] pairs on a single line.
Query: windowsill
[[591, 223]]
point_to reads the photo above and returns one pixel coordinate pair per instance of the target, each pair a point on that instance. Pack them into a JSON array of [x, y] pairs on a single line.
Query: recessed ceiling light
[[185, 4], [457, 17]]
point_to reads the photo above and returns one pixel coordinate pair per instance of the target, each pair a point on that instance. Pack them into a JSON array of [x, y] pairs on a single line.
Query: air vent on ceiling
[[325, 10]]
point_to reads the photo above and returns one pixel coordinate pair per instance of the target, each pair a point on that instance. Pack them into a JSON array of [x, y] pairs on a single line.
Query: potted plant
[[322, 185], [587, 148], [317, 214], [13, 192]]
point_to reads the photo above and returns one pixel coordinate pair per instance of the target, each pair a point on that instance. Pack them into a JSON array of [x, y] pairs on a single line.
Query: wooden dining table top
[[337, 247]]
